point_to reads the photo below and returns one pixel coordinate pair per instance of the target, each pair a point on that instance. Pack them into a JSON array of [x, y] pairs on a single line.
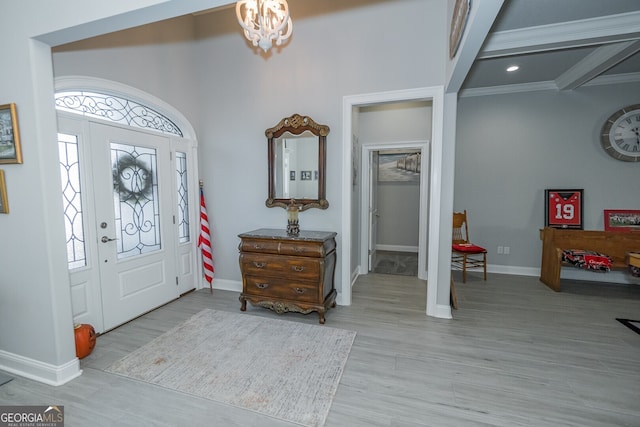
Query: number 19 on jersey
[[563, 208]]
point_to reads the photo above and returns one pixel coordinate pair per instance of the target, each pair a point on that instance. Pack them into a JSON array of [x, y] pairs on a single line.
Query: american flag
[[204, 242]]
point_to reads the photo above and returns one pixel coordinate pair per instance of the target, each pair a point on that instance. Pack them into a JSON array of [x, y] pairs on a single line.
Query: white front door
[[136, 252]]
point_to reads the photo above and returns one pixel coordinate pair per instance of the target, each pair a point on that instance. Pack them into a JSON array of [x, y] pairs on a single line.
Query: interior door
[[374, 161], [134, 220]]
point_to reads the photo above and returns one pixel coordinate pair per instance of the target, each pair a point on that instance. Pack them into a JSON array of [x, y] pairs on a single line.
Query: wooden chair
[[464, 254]]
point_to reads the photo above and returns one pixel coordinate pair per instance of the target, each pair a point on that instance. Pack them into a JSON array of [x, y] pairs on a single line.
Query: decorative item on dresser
[[288, 273]]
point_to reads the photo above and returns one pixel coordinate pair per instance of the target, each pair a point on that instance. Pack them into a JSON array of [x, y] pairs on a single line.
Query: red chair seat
[[468, 247]]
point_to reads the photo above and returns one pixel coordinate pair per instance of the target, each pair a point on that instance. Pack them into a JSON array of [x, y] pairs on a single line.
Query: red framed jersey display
[[563, 208]]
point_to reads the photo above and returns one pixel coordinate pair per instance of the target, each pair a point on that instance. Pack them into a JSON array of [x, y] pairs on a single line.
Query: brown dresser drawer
[[302, 249], [295, 268], [261, 246], [281, 289]]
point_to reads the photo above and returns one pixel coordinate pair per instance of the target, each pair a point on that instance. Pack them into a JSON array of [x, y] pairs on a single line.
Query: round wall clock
[[620, 136]]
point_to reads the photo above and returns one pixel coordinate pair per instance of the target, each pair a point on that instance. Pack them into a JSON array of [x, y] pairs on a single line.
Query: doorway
[[130, 208], [350, 127], [370, 210]]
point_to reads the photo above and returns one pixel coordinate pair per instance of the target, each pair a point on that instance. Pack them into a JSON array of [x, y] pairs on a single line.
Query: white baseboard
[[225, 285], [443, 311], [40, 371], [397, 248], [567, 272], [505, 269], [515, 270]]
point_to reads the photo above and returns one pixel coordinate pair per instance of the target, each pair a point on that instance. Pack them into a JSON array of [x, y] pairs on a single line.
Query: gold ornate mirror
[[297, 163]]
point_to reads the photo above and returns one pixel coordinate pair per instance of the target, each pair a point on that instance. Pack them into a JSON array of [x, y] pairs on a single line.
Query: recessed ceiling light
[[513, 68]]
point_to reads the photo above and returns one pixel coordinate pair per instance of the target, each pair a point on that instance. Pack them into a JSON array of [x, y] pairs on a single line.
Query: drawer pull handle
[[300, 290], [298, 249], [259, 264], [257, 246], [297, 268], [262, 285]]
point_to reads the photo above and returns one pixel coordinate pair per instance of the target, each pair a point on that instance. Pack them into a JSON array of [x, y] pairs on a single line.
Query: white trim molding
[[564, 35], [40, 371], [434, 94]]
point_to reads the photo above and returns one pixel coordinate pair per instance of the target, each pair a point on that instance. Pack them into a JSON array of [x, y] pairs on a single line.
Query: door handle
[[105, 239]]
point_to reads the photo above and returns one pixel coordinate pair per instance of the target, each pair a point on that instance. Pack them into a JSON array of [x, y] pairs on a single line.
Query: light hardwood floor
[[515, 354]]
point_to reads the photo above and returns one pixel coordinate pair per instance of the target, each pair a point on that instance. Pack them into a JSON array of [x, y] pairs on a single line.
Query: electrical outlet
[[507, 250], [500, 250]]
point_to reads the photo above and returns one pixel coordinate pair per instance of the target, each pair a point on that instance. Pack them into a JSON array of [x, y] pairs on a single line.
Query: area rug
[[634, 325], [280, 368]]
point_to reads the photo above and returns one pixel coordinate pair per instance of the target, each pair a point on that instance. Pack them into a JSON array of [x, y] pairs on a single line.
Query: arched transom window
[[115, 109], [122, 111]]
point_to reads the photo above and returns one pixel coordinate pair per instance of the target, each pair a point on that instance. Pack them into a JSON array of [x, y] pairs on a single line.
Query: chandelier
[[264, 21]]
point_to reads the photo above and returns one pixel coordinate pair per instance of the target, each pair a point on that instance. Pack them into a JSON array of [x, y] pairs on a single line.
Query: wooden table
[[633, 259]]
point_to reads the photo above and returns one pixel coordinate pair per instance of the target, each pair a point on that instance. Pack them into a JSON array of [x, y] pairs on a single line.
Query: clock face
[[621, 134]]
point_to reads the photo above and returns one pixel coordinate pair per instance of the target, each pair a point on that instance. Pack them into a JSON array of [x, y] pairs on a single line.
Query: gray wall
[[399, 204], [510, 148], [233, 94]]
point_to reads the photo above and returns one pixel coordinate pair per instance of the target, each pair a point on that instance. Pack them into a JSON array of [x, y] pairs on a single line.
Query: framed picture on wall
[[10, 151], [399, 166], [4, 203], [621, 220], [563, 208]]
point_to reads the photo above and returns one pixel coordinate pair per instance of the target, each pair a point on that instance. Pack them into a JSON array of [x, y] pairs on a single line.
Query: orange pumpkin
[[85, 339]]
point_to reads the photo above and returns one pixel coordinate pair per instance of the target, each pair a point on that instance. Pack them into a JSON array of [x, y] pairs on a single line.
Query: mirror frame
[[296, 125]]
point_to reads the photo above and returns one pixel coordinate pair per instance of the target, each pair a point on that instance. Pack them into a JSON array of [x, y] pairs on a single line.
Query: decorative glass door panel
[[182, 184], [72, 200], [135, 199]]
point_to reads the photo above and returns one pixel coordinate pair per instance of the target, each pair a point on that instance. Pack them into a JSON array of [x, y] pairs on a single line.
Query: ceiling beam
[[596, 63], [481, 16], [564, 35]]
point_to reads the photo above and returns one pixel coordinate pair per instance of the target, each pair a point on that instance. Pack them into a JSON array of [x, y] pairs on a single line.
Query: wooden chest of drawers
[[288, 274]]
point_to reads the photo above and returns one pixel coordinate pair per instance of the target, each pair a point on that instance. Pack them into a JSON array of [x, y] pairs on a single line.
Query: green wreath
[[127, 171]]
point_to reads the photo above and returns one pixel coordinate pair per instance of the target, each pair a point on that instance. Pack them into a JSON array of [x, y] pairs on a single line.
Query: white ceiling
[[558, 44]]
